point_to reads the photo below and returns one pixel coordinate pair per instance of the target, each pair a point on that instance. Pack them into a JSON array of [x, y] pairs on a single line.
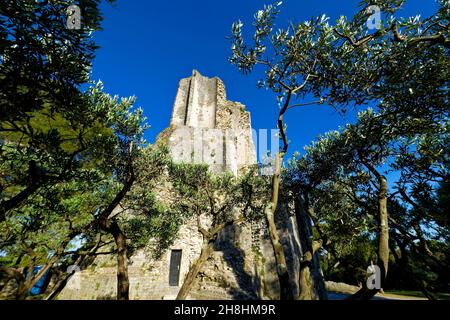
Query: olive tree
[[346, 65]]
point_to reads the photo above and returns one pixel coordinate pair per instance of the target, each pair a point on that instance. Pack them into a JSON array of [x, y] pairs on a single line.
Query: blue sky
[[146, 47]]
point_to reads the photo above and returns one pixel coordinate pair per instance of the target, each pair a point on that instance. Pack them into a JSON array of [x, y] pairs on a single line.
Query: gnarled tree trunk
[[123, 283], [209, 237], [190, 278], [383, 237], [311, 282], [383, 242], [280, 258]]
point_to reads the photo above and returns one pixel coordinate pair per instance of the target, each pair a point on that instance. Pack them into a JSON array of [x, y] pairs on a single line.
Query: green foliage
[[402, 70], [336, 171], [347, 64], [352, 263], [65, 153], [44, 62], [149, 221], [220, 199]]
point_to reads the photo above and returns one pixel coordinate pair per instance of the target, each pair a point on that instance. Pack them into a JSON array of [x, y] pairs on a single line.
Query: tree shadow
[[234, 256]]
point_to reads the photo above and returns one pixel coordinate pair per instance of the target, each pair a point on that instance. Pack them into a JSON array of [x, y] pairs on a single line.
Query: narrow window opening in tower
[[174, 269], [187, 102]]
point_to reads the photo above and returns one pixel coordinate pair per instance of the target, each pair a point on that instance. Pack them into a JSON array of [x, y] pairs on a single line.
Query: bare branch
[[359, 42], [321, 101]]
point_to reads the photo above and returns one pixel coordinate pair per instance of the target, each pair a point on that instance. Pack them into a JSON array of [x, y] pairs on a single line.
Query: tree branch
[[321, 101]]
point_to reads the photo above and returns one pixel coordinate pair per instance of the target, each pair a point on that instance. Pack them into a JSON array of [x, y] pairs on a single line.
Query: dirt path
[[392, 296], [340, 291], [379, 296]]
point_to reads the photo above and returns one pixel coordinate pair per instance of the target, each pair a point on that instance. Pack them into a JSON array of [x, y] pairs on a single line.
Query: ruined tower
[[207, 128], [204, 128]]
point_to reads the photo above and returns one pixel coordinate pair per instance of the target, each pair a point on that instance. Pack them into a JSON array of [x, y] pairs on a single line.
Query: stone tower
[[207, 128], [204, 128]]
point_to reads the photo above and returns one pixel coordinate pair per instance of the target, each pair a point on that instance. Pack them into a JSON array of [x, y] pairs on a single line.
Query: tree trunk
[[383, 239], [311, 282], [306, 281], [111, 226], [59, 286], [190, 278], [383, 245], [123, 284], [281, 265]]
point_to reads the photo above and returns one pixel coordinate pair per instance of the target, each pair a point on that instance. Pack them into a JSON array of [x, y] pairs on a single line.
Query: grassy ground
[[418, 294]]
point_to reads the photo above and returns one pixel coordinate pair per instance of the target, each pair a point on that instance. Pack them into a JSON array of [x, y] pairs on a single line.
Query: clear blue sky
[[147, 46]]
